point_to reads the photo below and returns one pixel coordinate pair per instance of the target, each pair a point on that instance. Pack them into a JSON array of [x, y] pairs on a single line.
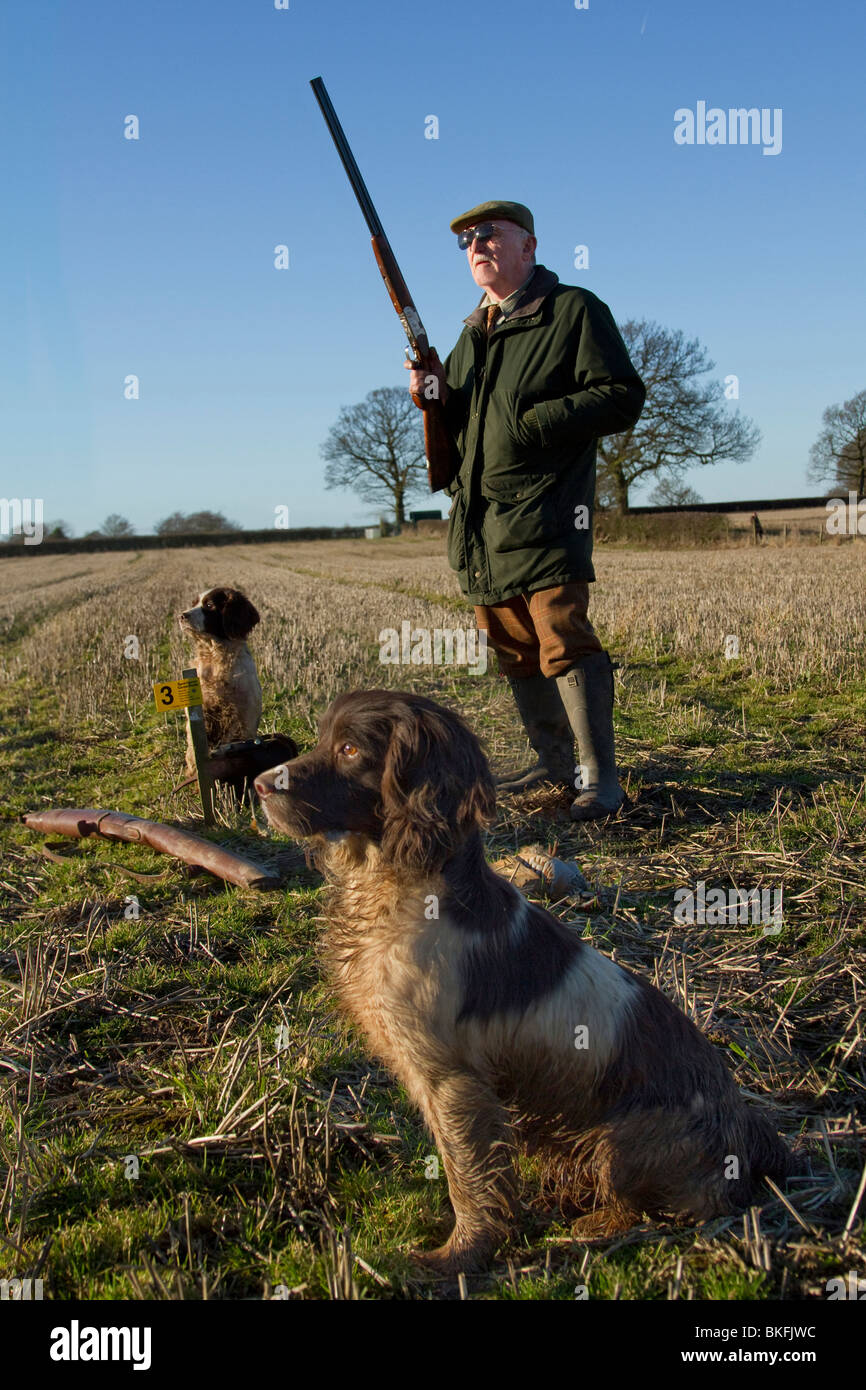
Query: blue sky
[[155, 256]]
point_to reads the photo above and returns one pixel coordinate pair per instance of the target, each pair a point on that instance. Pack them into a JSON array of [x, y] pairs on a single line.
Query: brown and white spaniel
[[506, 1029], [218, 625]]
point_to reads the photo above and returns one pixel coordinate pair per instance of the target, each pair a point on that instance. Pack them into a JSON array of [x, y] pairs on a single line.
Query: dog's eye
[[348, 750]]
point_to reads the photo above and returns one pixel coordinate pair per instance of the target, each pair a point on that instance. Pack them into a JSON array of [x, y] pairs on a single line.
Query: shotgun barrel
[[338, 135], [443, 461]]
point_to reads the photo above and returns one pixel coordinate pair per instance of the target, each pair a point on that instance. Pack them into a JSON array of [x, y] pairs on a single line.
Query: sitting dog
[[231, 695], [505, 1028]]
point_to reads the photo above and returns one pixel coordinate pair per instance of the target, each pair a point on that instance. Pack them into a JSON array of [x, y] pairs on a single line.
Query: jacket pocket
[[456, 547], [523, 511], [514, 455]]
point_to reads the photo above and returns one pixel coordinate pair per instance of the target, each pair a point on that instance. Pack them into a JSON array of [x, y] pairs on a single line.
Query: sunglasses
[[483, 232]]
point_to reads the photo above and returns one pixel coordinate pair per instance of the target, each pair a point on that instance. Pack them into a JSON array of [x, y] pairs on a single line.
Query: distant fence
[[88, 544]]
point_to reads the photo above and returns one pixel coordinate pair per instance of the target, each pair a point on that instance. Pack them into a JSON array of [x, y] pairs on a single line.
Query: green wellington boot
[[548, 730], [587, 695]]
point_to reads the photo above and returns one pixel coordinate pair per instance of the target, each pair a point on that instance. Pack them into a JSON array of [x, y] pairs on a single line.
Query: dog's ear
[[436, 789], [238, 615]]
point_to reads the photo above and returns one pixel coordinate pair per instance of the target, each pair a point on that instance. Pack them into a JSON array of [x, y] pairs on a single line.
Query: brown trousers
[[547, 631]]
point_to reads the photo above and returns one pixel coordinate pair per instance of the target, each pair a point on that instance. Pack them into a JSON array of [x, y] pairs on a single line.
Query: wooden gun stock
[[443, 460]]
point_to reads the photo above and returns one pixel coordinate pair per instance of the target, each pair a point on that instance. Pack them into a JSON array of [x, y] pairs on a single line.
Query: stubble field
[[182, 1113]]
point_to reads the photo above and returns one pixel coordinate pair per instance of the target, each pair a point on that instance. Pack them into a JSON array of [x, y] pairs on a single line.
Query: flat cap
[[509, 212]]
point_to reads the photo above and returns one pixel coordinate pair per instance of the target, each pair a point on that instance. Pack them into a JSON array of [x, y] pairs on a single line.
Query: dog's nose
[[262, 787]]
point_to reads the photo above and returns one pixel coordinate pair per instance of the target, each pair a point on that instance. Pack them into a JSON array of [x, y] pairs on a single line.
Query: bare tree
[[377, 448], [116, 525], [685, 421], [670, 492], [839, 453], [180, 524], [58, 530]]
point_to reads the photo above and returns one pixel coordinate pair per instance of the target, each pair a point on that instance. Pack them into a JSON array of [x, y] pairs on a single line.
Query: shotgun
[[443, 460]]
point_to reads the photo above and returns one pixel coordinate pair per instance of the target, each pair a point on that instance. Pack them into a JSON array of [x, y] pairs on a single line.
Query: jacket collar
[[537, 290]]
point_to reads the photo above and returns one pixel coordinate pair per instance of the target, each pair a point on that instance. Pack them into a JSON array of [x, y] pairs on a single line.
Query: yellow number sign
[[169, 695]]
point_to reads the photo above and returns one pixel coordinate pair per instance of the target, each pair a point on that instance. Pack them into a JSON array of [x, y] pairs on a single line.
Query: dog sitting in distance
[[506, 1029], [218, 625]]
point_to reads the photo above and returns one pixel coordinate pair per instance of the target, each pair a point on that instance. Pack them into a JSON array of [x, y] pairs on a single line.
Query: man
[[538, 374]]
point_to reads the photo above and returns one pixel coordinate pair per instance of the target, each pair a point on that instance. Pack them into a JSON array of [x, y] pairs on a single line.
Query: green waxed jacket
[[526, 406]]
